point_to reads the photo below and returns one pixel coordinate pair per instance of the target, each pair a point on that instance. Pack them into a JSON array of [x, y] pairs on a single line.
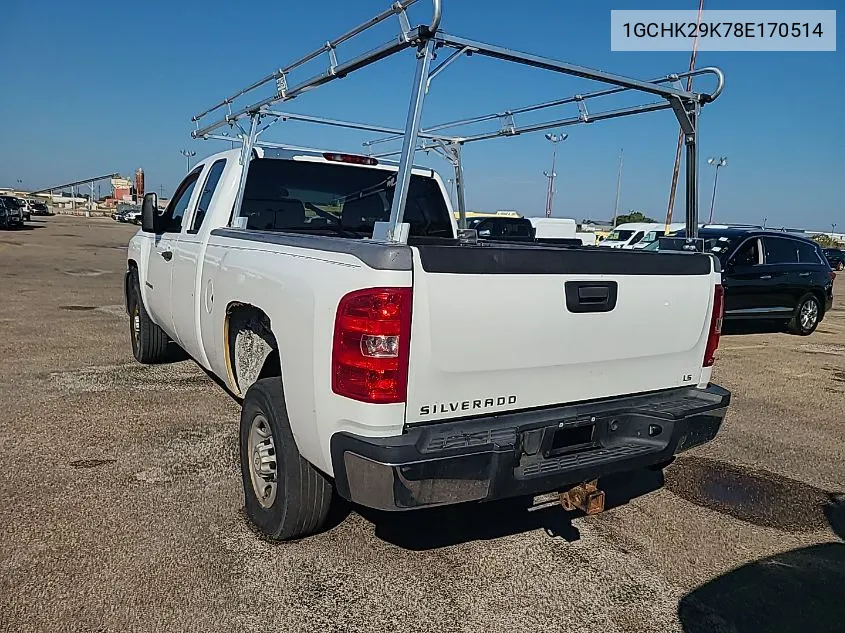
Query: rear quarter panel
[[299, 290]]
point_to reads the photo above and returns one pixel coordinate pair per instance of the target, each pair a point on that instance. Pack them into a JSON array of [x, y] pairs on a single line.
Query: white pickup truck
[[438, 371]]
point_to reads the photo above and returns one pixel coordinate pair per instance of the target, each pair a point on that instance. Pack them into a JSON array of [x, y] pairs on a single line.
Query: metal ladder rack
[[426, 40]]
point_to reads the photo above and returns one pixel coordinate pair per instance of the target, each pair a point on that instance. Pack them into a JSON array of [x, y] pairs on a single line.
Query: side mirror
[[149, 213]]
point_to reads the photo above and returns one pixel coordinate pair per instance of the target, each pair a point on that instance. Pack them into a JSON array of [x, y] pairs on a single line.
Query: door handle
[[765, 276], [168, 255]]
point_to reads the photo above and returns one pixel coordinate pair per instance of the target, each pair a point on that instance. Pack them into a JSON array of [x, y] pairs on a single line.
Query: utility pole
[[187, 154], [618, 189], [554, 139], [717, 162]]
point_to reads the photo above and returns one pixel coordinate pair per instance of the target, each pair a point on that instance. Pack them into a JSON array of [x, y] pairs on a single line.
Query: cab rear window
[[293, 195]]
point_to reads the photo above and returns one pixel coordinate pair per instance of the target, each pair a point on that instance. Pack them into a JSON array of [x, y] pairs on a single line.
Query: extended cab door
[[186, 298], [158, 279]]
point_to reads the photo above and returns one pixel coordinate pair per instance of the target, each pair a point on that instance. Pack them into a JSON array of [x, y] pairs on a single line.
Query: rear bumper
[[524, 453]]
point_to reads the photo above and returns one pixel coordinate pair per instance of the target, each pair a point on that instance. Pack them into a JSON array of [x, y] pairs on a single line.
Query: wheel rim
[[809, 314], [262, 461], [136, 325]]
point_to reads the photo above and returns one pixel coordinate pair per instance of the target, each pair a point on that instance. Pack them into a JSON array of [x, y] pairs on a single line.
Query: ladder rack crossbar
[[407, 38], [548, 104]]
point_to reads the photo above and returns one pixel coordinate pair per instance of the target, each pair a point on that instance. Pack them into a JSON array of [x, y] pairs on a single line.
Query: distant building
[[121, 189]]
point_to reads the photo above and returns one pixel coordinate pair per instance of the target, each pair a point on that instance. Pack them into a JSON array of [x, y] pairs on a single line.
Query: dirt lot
[[120, 501]]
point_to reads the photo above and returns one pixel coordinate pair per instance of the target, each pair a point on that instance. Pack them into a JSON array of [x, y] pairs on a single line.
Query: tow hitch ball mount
[[585, 497]]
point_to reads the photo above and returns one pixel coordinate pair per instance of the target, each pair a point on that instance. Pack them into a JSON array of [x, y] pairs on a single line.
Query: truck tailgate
[[517, 327]]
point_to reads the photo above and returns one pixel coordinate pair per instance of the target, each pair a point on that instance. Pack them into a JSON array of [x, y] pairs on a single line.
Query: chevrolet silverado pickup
[[437, 371]]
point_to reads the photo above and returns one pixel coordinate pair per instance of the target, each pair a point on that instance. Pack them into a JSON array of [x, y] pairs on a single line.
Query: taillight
[[715, 325], [353, 159], [371, 342]]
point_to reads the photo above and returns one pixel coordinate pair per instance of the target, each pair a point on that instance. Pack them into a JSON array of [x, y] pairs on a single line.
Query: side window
[[807, 253], [780, 250], [748, 254], [637, 237], [176, 209], [207, 194]]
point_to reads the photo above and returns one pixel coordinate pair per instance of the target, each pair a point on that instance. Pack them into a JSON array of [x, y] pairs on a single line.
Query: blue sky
[[99, 87]]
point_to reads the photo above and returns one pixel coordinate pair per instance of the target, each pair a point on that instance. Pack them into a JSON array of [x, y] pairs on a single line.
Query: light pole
[[187, 154], [554, 139], [618, 186], [716, 162]]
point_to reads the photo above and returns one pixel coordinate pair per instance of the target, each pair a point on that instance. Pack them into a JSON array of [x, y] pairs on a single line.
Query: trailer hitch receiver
[[585, 497]]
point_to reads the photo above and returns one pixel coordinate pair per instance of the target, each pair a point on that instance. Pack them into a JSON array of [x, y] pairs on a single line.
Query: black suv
[[835, 257], [772, 275]]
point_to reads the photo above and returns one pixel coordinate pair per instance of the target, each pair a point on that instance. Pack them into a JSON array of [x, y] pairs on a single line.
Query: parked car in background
[[516, 229], [25, 209], [505, 228], [771, 275], [39, 208], [655, 234], [835, 257], [628, 234], [127, 213], [18, 205], [10, 215]]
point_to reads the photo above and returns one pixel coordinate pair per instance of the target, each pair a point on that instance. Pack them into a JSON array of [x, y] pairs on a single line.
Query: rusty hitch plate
[[585, 497]]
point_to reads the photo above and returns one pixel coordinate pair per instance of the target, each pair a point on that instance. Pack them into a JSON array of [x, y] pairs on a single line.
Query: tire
[[807, 316], [149, 341], [299, 503]]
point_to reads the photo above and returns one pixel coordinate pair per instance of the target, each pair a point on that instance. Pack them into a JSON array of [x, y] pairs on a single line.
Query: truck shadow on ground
[[795, 591], [452, 525], [25, 227]]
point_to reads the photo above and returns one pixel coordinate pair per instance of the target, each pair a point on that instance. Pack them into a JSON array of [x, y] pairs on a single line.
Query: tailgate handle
[[590, 296]]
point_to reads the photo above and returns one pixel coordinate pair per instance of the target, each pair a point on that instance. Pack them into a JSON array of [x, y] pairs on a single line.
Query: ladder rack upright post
[[394, 230]]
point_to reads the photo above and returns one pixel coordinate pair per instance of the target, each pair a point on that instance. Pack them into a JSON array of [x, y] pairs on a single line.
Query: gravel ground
[[120, 501]]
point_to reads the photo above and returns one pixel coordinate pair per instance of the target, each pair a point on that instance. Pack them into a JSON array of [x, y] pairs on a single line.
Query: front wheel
[[807, 316], [285, 496]]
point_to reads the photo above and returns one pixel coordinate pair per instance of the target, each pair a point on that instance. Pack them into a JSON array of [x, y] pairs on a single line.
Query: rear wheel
[[285, 496], [149, 342], [807, 316]]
